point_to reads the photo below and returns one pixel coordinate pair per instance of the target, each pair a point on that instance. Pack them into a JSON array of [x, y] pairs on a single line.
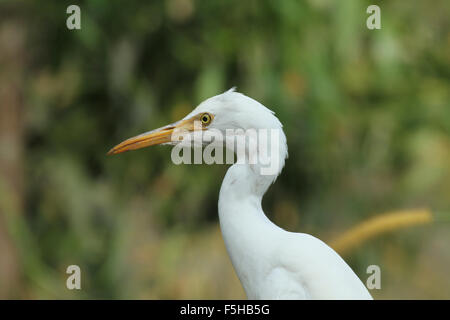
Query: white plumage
[[271, 263]]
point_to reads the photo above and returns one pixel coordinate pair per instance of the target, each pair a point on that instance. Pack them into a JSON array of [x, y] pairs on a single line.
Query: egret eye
[[205, 118]]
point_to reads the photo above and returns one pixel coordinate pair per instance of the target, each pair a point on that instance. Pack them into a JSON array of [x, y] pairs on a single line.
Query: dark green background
[[366, 114]]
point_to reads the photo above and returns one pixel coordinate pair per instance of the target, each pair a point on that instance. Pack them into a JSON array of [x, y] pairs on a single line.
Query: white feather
[[270, 262]]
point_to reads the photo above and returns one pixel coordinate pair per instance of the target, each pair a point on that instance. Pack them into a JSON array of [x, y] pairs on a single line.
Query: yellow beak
[[171, 133]]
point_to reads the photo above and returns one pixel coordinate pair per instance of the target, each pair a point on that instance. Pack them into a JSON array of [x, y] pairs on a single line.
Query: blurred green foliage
[[366, 114]]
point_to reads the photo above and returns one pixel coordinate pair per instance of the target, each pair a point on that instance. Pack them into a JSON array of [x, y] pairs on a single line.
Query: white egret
[[271, 263]]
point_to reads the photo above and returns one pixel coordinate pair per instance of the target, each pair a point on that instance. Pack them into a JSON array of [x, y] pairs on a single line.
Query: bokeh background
[[366, 114]]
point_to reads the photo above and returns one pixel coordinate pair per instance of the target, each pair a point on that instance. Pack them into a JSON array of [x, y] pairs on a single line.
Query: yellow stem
[[377, 225]]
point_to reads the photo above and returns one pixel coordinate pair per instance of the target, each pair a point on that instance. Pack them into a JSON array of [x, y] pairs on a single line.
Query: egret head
[[224, 117]]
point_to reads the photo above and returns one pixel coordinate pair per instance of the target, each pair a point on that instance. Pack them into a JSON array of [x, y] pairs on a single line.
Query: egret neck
[[246, 230]]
